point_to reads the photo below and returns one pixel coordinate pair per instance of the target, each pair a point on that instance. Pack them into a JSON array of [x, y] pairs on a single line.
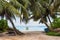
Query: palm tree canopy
[[45, 8], [37, 7], [6, 8]]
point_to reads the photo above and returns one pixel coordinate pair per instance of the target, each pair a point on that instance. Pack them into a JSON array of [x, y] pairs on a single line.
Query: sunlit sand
[[30, 36]]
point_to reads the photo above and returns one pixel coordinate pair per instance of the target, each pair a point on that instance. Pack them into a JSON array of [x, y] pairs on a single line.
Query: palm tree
[[43, 9], [9, 11]]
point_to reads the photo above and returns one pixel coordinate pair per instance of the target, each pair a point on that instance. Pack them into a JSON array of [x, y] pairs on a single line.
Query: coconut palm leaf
[[15, 3], [25, 15], [1, 9], [25, 3]]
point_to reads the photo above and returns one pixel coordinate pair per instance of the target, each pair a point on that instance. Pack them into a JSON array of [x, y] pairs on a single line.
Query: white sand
[[31, 36]]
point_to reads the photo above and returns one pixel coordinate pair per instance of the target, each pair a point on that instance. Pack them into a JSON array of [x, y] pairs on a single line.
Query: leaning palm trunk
[[49, 19], [46, 24], [50, 24], [17, 32]]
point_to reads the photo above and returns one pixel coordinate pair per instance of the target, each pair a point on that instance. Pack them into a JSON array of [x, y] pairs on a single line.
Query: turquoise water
[[31, 28]]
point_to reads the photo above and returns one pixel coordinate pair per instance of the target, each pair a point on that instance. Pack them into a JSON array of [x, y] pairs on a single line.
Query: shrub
[[56, 23], [53, 34], [3, 25]]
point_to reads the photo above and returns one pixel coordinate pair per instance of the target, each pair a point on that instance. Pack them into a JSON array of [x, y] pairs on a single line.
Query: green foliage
[[53, 34], [56, 23], [3, 25]]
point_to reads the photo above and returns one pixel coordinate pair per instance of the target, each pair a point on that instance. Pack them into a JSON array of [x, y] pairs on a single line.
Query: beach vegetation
[[3, 25], [56, 28], [53, 34], [56, 23]]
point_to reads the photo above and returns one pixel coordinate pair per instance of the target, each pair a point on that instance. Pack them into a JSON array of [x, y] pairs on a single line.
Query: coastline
[[29, 31], [35, 35]]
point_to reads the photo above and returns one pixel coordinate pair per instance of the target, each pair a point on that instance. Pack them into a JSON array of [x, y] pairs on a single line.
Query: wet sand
[[31, 36]]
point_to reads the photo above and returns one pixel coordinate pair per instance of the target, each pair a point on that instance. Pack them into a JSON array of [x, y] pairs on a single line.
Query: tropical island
[[43, 11]]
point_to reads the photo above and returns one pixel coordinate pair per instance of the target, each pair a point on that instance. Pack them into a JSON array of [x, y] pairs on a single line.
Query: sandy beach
[[31, 36]]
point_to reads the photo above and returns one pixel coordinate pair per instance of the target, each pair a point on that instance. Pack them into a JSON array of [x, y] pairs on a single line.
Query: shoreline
[[36, 35], [28, 31]]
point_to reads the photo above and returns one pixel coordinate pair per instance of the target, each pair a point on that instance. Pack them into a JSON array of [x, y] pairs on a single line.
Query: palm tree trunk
[[49, 19], [45, 23], [13, 26], [17, 32], [50, 23]]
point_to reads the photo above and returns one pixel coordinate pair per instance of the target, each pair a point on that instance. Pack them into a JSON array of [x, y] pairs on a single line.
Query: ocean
[[31, 28]]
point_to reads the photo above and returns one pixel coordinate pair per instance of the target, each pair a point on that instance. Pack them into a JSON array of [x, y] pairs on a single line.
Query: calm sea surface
[[31, 28]]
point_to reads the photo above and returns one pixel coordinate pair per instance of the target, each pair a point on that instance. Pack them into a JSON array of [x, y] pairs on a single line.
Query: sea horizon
[[31, 28]]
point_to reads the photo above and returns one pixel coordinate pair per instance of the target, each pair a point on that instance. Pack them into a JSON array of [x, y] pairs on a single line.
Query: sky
[[30, 23]]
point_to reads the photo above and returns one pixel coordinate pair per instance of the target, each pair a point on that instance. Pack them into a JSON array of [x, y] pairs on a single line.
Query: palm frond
[[16, 4], [1, 8], [56, 4], [25, 15], [26, 3], [12, 9]]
